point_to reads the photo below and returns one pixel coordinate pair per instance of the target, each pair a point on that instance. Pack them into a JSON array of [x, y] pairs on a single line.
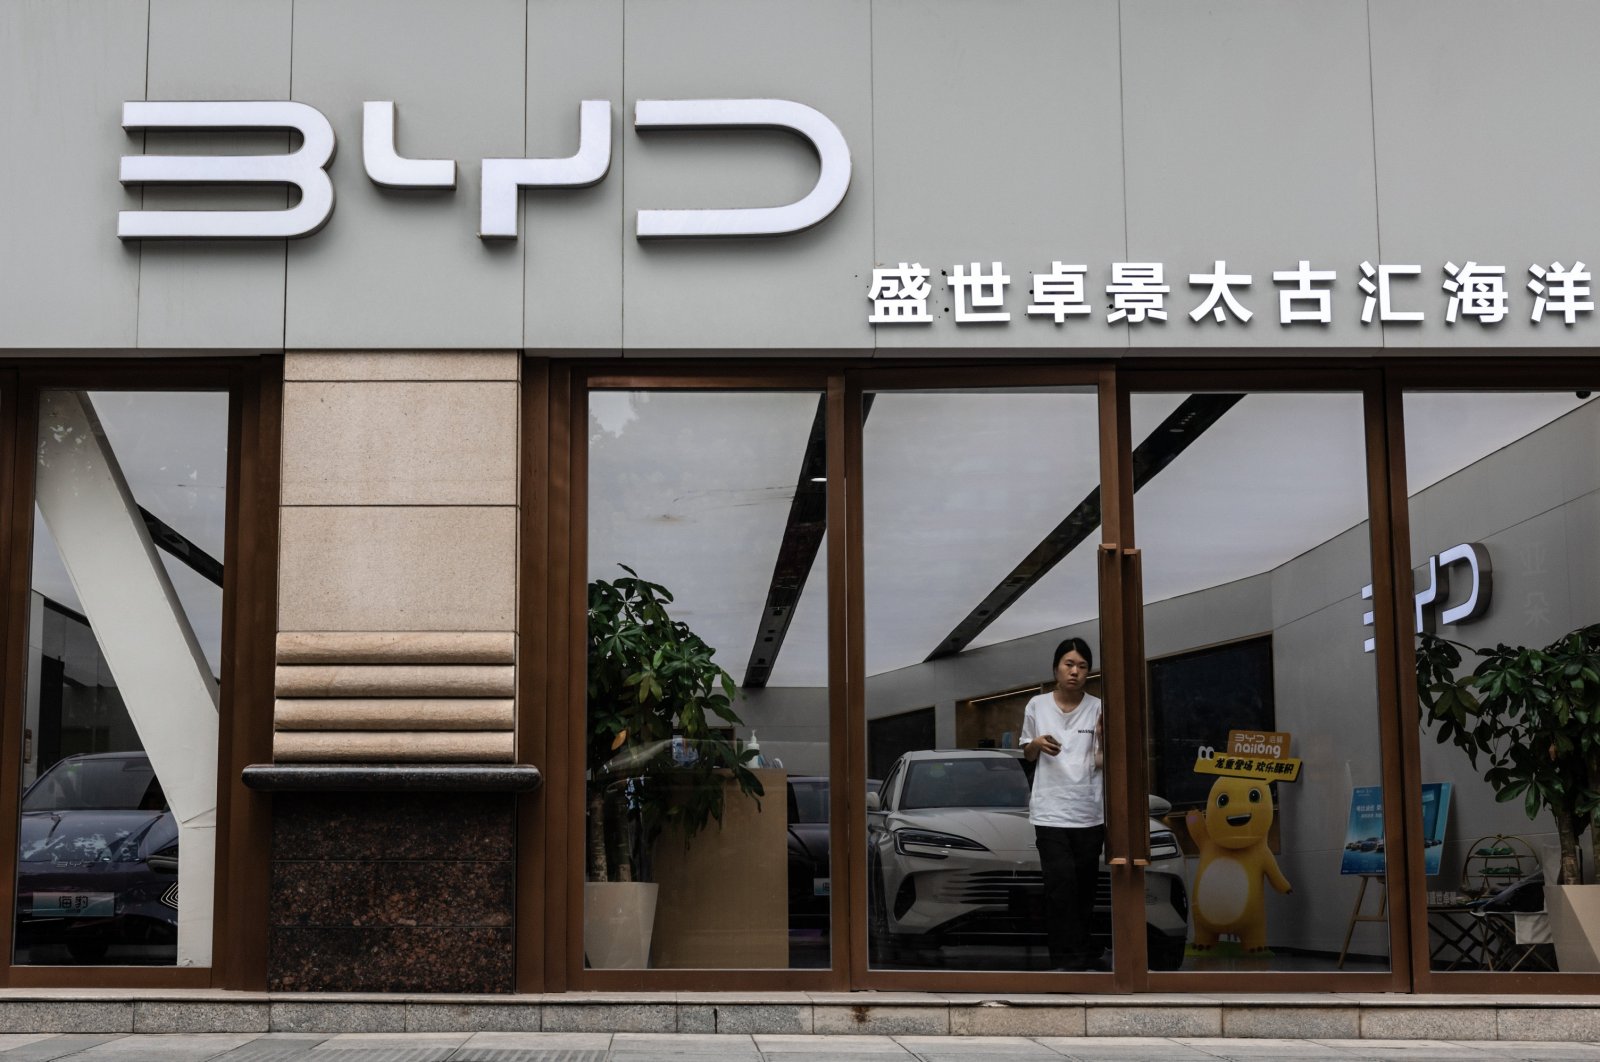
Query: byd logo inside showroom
[[306, 168]]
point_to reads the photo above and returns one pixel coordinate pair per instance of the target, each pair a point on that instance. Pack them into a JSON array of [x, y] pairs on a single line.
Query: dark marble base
[[415, 959], [392, 892]]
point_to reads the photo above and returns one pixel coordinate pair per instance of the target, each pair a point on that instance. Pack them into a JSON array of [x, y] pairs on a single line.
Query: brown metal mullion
[[535, 816], [1398, 754], [847, 756], [250, 818], [975, 377], [20, 557], [719, 378], [249, 626], [1121, 647], [853, 736], [569, 677], [16, 460]]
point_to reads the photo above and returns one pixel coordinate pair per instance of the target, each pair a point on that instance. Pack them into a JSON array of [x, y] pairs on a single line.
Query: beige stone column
[[397, 559]]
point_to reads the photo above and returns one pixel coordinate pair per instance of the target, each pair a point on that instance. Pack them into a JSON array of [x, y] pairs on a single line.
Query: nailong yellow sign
[[1266, 768]]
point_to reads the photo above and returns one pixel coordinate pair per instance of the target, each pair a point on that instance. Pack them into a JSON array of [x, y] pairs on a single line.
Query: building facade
[[554, 495]]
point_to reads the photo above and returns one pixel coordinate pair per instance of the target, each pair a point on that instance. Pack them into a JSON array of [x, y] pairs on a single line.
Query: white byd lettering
[[384, 164], [503, 178], [824, 136], [1480, 585], [306, 168]]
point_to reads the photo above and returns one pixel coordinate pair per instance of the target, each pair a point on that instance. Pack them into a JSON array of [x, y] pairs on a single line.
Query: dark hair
[[1073, 645]]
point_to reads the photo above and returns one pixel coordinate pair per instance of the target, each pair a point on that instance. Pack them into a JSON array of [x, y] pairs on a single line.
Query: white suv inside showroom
[[952, 864]]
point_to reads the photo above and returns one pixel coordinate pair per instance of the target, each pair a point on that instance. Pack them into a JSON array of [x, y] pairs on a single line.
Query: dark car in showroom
[[97, 861], [809, 881]]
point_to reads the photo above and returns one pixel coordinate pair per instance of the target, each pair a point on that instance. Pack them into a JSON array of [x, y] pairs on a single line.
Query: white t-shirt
[[1068, 789]]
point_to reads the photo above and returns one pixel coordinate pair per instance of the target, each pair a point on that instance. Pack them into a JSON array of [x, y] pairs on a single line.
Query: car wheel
[[88, 950], [1165, 953]]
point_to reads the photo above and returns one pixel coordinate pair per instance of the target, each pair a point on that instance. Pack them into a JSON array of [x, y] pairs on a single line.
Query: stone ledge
[[1520, 1018], [392, 777]]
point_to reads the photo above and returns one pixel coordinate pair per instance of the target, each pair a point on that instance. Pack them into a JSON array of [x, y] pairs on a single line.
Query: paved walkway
[[685, 1047]]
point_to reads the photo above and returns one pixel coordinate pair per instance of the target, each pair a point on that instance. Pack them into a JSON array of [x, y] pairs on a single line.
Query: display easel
[[1356, 914]]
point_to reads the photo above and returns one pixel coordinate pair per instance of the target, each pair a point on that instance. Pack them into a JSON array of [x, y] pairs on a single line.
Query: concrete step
[[1319, 1016]]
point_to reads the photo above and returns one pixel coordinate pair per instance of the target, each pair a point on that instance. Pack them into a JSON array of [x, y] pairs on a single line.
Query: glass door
[[985, 713], [707, 728], [1273, 795], [1501, 490]]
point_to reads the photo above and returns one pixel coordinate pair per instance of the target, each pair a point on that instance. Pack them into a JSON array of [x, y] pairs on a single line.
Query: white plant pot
[[1575, 927], [619, 918]]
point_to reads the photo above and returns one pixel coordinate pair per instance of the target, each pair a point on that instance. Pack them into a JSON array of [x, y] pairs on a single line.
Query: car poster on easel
[[1363, 836]]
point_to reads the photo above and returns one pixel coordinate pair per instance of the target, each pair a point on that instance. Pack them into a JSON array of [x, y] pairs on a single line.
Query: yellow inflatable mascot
[[1232, 837]]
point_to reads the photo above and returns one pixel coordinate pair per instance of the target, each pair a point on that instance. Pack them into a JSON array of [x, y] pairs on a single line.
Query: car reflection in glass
[[952, 862], [97, 864]]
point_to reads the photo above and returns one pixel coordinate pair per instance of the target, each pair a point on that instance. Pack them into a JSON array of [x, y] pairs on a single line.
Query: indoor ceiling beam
[[797, 552], [802, 539], [1158, 450]]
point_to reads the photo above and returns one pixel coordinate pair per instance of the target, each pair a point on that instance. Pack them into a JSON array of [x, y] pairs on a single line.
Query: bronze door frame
[[1199, 376], [1127, 892], [562, 796], [254, 387], [550, 944], [1535, 373]]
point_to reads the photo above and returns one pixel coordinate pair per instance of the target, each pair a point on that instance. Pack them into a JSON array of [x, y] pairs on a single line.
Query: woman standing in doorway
[[1061, 733]]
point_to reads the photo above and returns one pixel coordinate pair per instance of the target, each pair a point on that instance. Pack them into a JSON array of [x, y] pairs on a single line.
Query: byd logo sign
[[307, 168], [1433, 601]]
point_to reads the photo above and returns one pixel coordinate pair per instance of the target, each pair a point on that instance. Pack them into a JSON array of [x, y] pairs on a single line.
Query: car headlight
[[932, 845], [1164, 845]]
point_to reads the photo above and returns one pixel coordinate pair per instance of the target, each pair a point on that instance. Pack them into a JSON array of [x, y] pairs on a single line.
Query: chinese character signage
[[1140, 294]]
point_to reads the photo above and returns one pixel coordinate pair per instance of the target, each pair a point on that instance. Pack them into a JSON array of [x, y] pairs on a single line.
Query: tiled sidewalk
[[690, 1047], [1331, 1016]]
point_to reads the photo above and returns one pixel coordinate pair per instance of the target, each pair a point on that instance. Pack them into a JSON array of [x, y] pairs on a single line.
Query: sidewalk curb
[[1332, 1016]]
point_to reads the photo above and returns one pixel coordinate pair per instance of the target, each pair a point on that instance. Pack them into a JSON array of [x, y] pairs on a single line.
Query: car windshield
[[966, 782], [810, 800], [111, 784]]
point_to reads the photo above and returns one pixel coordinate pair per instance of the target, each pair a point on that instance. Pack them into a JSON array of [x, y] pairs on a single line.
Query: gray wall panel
[[997, 130], [66, 66], [225, 294], [1249, 139], [1485, 153], [406, 268], [573, 237], [802, 290], [1257, 131]]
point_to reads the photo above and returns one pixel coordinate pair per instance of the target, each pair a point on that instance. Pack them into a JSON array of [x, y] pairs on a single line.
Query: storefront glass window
[[1504, 513], [1252, 521], [707, 741], [124, 644], [980, 522]]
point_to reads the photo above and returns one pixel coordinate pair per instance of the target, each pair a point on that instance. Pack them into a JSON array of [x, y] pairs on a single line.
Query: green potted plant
[[1533, 715], [659, 755]]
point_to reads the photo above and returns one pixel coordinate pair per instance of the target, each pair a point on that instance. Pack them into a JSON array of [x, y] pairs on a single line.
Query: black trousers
[[1070, 859]]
